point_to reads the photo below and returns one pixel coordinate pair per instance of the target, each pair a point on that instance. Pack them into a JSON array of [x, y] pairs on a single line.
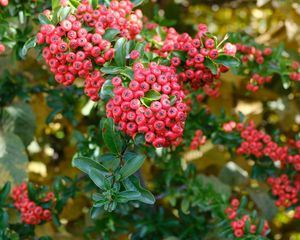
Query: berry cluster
[[286, 190], [197, 49], [4, 3], [198, 140], [231, 125], [31, 213], [238, 224], [2, 48], [76, 48], [295, 74], [161, 116], [260, 144], [256, 81], [250, 53]]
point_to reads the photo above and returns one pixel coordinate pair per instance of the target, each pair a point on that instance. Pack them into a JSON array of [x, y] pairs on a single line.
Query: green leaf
[[260, 226], [126, 196], [152, 95], [137, 2], [133, 183], [211, 65], [129, 73], [97, 197], [110, 34], [140, 47], [86, 164], [55, 4], [43, 19], [130, 45], [106, 91], [13, 159], [112, 136], [111, 70], [99, 179], [139, 139], [146, 102], [3, 219], [19, 118], [30, 43], [149, 97], [4, 192], [95, 211], [228, 61], [172, 100], [110, 161], [63, 13], [185, 205], [179, 54], [133, 161], [120, 52], [95, 4]]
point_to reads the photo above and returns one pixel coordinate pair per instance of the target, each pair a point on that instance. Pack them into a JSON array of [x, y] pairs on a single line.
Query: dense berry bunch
[[238, 223], [198, 50], [198, 140], [135, 110], [260, 144], [286, 190], [76, 48], [251, 53], [256, 81], [31, 213]]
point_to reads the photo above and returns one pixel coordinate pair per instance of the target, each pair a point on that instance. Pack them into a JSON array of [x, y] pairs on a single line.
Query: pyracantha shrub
[[77, 47]]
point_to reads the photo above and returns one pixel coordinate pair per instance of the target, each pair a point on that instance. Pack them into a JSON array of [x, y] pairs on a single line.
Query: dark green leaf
[[112, 136], [111, 70], [133, 161], [106, 91], [86, 164], [185, 205], [4, 192], [172, 100], [30, 43], [211, 65], [126, 196], [110, 34], [63, 13], [133, 183], [128, 72], [95, 211], [226, 60], [3, 219], [43, 19], [110, 161], [120, 52], [99, 179], [179, 54], [152, 95], [140, 47]]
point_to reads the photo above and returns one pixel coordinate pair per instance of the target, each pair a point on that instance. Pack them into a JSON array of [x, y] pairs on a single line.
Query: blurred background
[[62, 117]]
